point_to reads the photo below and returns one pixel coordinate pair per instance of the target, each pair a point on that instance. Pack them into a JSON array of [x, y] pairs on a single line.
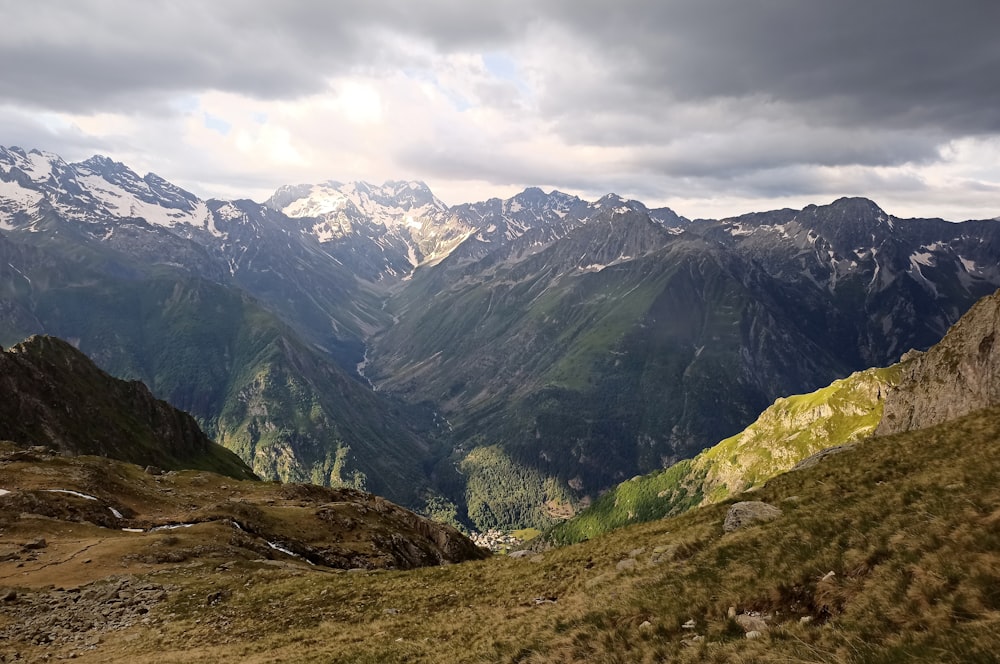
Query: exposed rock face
[[959, 375], [748, 513], [52, 394]]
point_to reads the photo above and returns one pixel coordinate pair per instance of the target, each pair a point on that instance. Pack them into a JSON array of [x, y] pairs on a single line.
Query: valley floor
[[887, 553]]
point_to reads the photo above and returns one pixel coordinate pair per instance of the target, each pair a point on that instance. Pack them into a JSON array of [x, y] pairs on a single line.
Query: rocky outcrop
[[52, 394], [748, 513], [817, 458], [959, 375]]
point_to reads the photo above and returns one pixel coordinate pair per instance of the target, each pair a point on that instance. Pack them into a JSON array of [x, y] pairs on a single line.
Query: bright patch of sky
[[217, 124]]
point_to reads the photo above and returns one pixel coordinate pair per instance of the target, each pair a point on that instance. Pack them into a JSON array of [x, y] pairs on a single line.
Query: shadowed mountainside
[[53, 395]]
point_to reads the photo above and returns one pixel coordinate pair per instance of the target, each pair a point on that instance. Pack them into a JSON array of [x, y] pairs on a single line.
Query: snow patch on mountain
[[323, 200], [13, 193], [121, 203], [969, 265]]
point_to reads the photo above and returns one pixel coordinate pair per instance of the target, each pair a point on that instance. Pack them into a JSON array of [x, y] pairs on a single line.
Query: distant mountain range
[[528, 353]]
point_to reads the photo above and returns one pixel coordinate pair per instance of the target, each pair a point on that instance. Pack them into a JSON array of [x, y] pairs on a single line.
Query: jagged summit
[[102, 164]]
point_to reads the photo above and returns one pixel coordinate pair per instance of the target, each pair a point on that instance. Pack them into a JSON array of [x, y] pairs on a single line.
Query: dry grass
[[910, 526]]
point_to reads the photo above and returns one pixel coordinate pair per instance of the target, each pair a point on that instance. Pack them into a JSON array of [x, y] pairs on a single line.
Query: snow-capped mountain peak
[[96, 190]]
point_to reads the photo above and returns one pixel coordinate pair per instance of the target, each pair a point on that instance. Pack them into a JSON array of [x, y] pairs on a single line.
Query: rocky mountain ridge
[[622, 305]]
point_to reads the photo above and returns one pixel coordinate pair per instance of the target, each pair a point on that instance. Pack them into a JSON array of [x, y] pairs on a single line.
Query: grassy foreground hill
[[889, 552]]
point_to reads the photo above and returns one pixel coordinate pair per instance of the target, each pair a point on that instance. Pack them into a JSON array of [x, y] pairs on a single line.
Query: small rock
[[805, 620], [754, 635], [731, 613], [752, 623], [628, 563], [635, 553], [216, 597], [689, 624], [35, 544], [153, 470], [747, 513], [10, 595], [391, 612], [519, 554], [645, 624], [828, 576]]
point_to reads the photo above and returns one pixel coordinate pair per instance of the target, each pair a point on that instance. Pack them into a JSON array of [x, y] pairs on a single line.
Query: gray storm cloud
[[702, 92]]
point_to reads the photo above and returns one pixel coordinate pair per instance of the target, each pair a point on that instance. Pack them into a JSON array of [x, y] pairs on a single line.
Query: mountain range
[[526, 354]]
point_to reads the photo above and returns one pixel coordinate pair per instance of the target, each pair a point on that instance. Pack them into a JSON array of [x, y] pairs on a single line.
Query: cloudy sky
[[713, 107]]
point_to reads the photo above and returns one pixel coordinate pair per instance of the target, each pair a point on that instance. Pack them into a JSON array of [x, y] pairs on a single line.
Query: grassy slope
[[909, 524], [787, 432]]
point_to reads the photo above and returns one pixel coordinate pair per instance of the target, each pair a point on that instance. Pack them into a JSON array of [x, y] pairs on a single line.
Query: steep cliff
[[959, 375]]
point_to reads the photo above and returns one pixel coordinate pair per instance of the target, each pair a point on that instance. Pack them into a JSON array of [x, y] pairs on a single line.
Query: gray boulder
[[748, 513]]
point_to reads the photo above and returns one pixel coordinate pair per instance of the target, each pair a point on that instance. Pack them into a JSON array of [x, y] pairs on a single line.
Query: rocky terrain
[[76, 618], [153, 518]]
